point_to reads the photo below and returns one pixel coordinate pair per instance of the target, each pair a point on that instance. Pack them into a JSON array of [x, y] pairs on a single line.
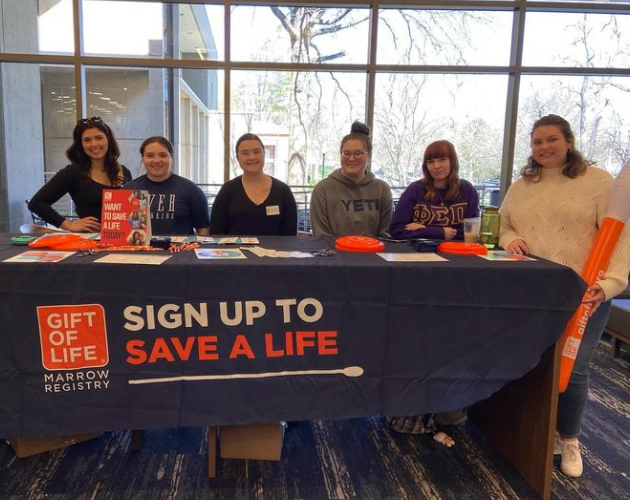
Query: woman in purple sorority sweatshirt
[[436, 205]]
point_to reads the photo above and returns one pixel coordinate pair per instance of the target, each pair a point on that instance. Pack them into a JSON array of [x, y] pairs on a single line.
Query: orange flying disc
[[362, 244], [462, 248]]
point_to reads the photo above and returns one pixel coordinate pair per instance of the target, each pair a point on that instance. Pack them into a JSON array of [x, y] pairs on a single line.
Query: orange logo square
[[73, 337]]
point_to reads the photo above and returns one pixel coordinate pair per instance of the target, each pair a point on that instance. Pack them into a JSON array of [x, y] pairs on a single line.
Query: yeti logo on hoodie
[[363, 205]]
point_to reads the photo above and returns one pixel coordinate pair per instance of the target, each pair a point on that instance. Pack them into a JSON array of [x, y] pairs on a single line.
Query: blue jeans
[[572, 402]]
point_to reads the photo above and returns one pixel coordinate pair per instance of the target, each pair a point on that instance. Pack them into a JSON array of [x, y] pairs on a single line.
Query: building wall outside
[[21, 143]]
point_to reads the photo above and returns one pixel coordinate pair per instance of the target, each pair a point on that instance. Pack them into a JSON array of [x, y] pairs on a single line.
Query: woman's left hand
[[449, 233], [594, 295]]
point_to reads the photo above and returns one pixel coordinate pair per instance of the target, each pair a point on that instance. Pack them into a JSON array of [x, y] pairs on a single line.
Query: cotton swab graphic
[[595, 267], [350, 371]]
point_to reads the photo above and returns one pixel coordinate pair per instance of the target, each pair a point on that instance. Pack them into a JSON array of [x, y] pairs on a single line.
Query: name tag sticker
[[273, 210]]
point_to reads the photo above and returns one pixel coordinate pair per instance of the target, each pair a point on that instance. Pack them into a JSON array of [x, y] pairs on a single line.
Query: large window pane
[[200, 31], [300, 34], [143, 29], [444, 37], [132, 38], [134, 103], [201, 127], [59, 115], [596, 108], [301, 117], [577, 40], [36, 27], [38, 114], [412, 111]]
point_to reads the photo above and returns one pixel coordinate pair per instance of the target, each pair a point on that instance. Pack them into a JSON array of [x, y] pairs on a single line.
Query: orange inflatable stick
[[595, 267]]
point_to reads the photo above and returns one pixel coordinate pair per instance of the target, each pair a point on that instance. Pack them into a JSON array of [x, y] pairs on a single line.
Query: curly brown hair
[[77, 155]]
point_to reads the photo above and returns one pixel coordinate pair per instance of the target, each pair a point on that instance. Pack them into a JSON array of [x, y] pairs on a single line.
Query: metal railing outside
[[488, 195], [64, 206]]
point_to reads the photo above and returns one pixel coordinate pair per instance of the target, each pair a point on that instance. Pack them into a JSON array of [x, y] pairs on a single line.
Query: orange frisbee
[[462, 248], [362, 244]]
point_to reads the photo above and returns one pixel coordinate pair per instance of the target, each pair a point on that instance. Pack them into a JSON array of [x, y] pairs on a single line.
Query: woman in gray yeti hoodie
[[351, 201]]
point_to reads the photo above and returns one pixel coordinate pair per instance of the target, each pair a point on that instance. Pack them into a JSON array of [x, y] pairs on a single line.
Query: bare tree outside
[[306, 28], [317, 107], [318, 117], [594, 105], [401, 123]]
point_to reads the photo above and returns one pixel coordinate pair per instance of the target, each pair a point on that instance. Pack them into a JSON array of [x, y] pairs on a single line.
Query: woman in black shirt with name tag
[[254, 203]]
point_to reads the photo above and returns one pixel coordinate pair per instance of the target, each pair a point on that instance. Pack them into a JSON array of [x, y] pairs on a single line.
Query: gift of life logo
[[73, 337]]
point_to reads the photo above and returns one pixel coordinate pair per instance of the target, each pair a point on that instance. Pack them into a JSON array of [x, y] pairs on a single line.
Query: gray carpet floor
[[339, 460]]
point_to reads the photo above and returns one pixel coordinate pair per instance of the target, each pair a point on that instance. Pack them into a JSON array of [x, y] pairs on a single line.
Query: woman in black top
[[253, 203], [94, 166]]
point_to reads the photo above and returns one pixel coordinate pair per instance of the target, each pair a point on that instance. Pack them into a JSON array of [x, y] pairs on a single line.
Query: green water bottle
[[490, 222]]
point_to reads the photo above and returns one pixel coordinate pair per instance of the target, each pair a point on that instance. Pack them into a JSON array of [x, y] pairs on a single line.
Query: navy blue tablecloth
[[88, 346]]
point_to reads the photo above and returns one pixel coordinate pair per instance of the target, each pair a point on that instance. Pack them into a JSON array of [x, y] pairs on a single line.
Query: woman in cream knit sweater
[[554, 211]]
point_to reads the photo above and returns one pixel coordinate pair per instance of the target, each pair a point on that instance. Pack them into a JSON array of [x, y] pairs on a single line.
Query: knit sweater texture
[[558, 218]]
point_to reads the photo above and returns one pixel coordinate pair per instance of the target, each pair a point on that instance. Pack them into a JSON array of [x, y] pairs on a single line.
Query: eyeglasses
[[87, 121], [355, 154]]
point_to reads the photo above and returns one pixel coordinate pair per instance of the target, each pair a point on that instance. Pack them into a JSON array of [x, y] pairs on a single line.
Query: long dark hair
[[361, 132], [440, 149], [576, 163], [77, 156]]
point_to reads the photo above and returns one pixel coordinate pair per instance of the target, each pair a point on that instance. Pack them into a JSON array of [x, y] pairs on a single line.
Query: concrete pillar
[[21, 134]]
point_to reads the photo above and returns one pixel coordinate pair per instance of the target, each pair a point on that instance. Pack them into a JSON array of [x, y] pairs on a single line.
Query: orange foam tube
[[594, 268]]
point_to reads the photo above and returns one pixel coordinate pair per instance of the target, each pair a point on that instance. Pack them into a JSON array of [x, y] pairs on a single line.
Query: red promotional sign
[[125, 217], [73, 337]]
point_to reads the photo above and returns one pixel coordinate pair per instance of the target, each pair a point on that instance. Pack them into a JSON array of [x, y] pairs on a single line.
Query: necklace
[[440, 197]]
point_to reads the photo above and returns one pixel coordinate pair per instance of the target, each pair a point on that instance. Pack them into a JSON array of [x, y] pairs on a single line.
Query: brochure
[[504, 256], [230, 240], [125, 217], [219, 253], [135, 258], [268, 252], [411, 257], [182, 239], [39, 256]]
